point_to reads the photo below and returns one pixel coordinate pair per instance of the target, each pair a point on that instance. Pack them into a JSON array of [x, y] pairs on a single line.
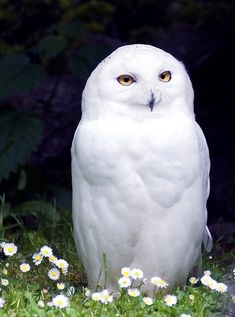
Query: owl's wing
[[207, 238]]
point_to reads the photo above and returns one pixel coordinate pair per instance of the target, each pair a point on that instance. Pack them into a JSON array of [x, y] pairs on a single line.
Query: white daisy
[[46, 251], [62, 264], [60, 301], [205, 279], [133, 292], [193, 280], [157, 281], [185, 315], [221, 287], [191, 297], [124, 282], [96, 296], [2, 302], [87, 292], [148, 300], [4, 271], [106, 297], [52, 258], [137, 273], [9, 249], [2, 244], [4, 282], [54, 274], [60, 286], [126, 271], [212, 284], [24, 267], [41, 304], [207, 272], [170, 300], [37, 258]]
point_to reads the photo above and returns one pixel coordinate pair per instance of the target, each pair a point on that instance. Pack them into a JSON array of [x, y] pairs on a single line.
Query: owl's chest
[[108, 150]]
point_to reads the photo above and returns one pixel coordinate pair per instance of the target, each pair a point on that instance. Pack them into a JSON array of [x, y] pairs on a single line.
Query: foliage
[[20, 135], [25, 290]]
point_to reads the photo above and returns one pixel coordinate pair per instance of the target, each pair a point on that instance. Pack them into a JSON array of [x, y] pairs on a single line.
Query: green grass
[[25, 289]]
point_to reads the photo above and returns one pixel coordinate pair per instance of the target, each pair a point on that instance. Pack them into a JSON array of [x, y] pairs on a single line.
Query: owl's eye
[[165, 76], [126, 80]]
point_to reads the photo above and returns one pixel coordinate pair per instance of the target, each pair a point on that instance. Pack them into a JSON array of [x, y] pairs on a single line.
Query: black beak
[[151, 101]]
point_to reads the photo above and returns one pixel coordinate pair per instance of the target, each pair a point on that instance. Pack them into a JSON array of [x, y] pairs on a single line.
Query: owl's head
[[138, 81]]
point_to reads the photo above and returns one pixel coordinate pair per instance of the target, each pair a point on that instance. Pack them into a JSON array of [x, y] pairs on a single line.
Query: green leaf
[[17, 74], [37, 208], [20, 135], [73, 30], [50, 46], [88, 58]]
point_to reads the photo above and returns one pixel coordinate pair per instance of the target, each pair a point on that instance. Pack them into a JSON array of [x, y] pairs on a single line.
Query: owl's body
[[140, 177]]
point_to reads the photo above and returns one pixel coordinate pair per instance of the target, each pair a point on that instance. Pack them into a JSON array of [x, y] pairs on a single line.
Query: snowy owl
[[140, 170]]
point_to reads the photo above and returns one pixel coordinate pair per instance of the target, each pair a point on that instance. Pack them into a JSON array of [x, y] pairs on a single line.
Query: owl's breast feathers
[[166, 155]]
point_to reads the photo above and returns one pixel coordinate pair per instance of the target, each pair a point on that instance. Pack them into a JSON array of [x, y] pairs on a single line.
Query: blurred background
[[48, 49]]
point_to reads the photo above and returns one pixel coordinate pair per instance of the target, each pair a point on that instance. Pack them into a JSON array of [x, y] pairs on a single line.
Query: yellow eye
[[165, 76], [125, 80]]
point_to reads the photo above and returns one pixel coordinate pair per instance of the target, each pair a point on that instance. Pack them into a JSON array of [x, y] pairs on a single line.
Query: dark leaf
[[20, 135], [17, 74], [50, 46]]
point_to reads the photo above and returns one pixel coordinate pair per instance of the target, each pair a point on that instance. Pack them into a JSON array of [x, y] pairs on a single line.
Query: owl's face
[[139, 79]]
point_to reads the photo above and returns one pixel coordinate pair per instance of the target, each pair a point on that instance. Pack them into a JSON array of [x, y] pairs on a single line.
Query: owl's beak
[[151, 101]]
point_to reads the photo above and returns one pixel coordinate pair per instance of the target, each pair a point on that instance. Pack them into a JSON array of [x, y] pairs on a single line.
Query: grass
[[26, 292]]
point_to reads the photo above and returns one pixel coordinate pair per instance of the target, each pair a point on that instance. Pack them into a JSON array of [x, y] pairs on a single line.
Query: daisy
[[124, 282], [46, 251], [207, 272], [24, 267], [106, 297], [62, 264], [4, 282], [41, 303], [185, 315], [87, 292], [37, 258], [170, 300], [52, 258], [126, 271], [2, 244], [9, 249], [137, 273], [221, 287], [133, 292], [212, 284], [206, 279], [2, 302], [148, 300], [60, 301], [191, 297], [4, 271], [60, 286], [155, 280], [96, 296], [54, 274], [193, 280]]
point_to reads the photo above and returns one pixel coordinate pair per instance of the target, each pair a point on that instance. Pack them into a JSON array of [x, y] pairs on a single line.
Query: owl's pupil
[[163, 76], [126, 79]]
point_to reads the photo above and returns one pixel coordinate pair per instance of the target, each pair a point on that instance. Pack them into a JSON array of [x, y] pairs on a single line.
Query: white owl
[[140, 170]]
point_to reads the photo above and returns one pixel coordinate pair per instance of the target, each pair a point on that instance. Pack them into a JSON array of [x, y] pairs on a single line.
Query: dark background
[[48, 49]]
